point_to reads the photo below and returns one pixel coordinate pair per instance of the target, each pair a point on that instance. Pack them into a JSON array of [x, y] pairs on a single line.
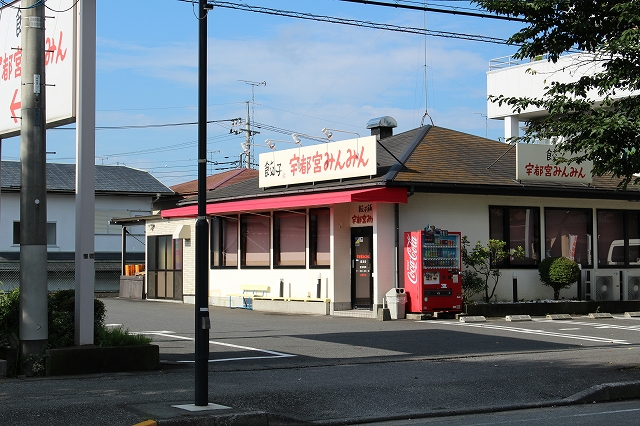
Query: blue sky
[[317, 75]]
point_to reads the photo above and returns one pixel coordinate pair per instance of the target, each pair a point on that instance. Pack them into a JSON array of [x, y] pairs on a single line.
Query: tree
[[607, 31], [485, 261]]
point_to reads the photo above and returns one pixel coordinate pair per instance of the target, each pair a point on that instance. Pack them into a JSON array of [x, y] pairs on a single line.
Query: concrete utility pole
[[85, 174], [33, 193]]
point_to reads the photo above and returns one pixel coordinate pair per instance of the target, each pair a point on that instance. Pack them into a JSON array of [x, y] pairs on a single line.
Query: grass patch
[[119, 336]]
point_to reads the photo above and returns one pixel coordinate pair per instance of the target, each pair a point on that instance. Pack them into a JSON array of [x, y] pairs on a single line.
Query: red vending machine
[[432, 280]]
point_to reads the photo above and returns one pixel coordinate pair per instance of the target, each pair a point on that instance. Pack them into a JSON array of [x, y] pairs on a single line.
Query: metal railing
[[510, 61], [62, 275]]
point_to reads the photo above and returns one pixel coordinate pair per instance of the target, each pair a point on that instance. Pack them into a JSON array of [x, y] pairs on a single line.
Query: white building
[[120, 192], [516, 78], [296, 243]]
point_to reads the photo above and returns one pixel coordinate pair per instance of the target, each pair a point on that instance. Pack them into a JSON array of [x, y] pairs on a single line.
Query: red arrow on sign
[[14, 106]]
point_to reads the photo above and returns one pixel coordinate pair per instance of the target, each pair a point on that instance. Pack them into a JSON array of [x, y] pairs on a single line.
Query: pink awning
[[370, 195]]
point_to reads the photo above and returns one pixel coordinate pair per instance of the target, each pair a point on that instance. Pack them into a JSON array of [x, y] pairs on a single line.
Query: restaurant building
[[320, 229]]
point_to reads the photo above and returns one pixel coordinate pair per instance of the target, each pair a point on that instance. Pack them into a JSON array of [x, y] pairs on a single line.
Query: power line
[[234, 121], [431, 9], [354, 22]]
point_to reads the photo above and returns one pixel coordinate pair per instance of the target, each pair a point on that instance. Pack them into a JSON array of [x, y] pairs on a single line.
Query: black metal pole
[[202, 226], [515, 288]]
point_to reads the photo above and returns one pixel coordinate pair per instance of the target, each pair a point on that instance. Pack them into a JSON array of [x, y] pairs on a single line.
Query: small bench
[[249, 291]]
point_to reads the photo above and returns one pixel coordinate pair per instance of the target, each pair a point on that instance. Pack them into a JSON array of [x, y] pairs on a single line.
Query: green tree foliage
[[485, 261], [558, 273], [607, 31]]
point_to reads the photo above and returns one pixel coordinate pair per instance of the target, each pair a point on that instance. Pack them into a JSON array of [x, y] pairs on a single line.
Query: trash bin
[[396, 299]]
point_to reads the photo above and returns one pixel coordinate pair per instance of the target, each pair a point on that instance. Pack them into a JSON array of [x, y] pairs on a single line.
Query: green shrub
[[543, 270], [61, 312], [62, 306], [9, 316], [558, 273], [472, 284], [564, 271]]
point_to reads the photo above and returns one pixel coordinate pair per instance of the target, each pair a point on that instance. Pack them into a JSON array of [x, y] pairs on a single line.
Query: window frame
[[217, 242], [313, 238], [626, 237], [278, 217], [50, 225], [161, 271], [506, 233], [244, 219], [589, 222]]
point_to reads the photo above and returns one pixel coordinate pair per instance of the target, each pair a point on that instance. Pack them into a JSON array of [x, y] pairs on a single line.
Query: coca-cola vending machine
[[432, 280]]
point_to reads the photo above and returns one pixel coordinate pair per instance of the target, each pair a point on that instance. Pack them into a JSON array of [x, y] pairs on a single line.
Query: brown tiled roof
[[216, 181], [448, 158], [438, 160]]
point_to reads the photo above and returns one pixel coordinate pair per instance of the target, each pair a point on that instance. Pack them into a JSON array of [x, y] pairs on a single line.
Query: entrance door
[[362, 267]]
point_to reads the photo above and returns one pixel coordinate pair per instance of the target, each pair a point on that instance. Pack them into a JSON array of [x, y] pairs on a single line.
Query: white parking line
[[271, 354], [540, 332], [597, 325]]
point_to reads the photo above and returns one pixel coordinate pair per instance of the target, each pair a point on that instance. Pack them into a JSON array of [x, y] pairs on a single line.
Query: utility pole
[[202, 321], [33, 323]]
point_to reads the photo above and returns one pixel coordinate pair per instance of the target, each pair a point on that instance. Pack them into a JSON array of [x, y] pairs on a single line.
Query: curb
[[605, 392]]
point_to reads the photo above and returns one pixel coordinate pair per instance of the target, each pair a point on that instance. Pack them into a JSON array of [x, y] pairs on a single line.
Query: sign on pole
[[60, 60]]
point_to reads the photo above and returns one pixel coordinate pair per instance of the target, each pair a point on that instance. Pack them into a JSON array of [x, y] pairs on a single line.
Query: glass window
[[319, 237], [51, 233], [568, 233], [164, 262], [618, 237], [224, 242], [610, 237], [633, 225], [255, 240], [518, 227], [289, 238], [16, 232]]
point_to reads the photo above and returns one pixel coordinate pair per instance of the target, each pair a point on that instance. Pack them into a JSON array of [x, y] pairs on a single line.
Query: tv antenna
[[249, 133]]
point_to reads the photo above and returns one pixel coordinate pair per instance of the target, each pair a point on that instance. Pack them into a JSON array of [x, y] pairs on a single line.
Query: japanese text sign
[[315, 163], [60, 39], [537, 162], [362, 214]]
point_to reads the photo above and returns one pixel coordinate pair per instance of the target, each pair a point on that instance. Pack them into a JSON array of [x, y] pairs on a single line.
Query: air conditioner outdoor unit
[[631, 284], [586, 276], [606, 285]]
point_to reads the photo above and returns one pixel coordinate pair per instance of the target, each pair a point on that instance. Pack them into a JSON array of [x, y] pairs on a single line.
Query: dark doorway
[[362, 267]]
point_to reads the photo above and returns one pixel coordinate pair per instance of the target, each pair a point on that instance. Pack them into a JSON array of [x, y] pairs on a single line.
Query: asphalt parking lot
[[240, 337], [302, 369]]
